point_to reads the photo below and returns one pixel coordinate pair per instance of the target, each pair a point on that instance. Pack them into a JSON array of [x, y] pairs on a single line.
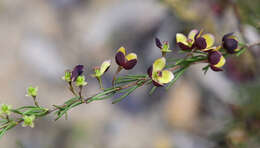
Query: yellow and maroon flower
[[216, 60], [230, 43], [125, 61], [158, 75], [204, 42], [186, 43]]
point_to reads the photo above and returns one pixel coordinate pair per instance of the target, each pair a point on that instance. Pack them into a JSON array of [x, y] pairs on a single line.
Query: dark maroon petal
[[157, 84], [215, 68], [227, 35], [130, 64], [184, 47], [120, 58], [230, 45], [214, 57], [78, 70], [150, 71], [197, 34], [200, 43], [158, 43]]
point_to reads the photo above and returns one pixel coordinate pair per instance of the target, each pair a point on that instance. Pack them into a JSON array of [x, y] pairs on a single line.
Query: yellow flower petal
[[181, 38], [159, 64], [212, 48], [192, 34], [221, 62], [122, 49], [166, 77], [210, 40], [131, 56], [104, 66]]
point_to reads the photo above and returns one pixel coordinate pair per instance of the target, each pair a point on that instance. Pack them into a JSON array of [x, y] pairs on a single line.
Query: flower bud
[[230, 43], [77, 71], [5, 109], [216, 60], [81, 81], [67, 76], [28, 121], [32, 91]]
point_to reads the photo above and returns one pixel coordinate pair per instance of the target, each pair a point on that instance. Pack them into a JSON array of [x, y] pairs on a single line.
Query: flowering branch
[[163, 72]]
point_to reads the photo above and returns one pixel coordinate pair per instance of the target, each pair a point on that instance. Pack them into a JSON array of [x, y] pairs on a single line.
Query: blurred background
[[40, 39]]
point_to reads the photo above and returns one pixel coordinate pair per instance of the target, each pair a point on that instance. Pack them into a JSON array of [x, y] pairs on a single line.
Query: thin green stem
[[115, 75], [71, 88], [35, 101]]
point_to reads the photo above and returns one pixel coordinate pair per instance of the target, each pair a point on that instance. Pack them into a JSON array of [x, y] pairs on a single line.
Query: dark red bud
[[78, 70], [200, 43], [158, 43]]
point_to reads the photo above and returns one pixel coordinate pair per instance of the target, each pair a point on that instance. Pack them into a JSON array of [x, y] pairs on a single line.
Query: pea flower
[[125, 61], [230, 43], [77, 71], [164, 46], [81, 81], [186, 43], [216, 60], [99, 71], [204, 42], [67, 76], [32, 91], [28, 121], [158, 75], [5, 109]]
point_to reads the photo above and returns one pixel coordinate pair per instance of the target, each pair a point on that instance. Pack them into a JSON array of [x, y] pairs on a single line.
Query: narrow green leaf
[[26, 107], [177, 76], [205, 69], [3, 131], [152, 90], [61, 113], [71, 100], [16, 111], [125, 95], [241, 51]]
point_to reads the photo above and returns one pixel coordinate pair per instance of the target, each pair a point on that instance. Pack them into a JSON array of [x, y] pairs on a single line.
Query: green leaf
[[177, 76], [35, 111], [26, 107], [172, 60], [152, 90], [125, 95], [125, 81], [205, 69], [61, 113], [241, 51], [71, 100], [16, 111], [3, 131]]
